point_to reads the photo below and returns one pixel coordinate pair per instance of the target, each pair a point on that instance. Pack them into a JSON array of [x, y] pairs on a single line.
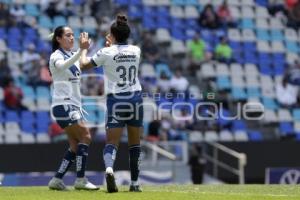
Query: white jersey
[[66, 81], [120, 64]]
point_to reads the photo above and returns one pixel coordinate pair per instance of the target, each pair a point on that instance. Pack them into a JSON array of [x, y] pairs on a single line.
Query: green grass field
[[172, 192]]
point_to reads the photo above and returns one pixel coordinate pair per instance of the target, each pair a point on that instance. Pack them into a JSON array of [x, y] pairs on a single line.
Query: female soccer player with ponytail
[[124, 100], [66, 106]]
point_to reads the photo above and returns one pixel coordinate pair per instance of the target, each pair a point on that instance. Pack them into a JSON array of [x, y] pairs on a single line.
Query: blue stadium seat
[[27, 116], [162, 67], [43, 92], [28, 92], [263, 34], [253, 93], [250, 57], [178, 2], [11, 116], [192, 23], [43, 46], [249, 47], [27, 127], [266, 69], [15, 33], [286, 128], [276, 35], [270, 103], [262, 2], [178, 34], [163, 12], [149, 23], [59, 21], [134, 12], [238, 93], [238, 125], [149, 11], [136, 2], [255, 136], [292, 46], [30, 33], [3, 33], [32, 10], [45, 22], [296, 114], [1, 115], [223, 82], [246, 23], [42, 121], [163, 22], [122, 2], [279, 68], [192, 2], [177, 23]]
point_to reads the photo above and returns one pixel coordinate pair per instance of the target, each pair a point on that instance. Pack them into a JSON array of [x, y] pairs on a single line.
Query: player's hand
[[108, 41], [84, 41]]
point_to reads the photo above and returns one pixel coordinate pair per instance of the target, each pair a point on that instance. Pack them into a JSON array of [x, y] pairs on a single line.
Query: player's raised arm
[[61, 63]]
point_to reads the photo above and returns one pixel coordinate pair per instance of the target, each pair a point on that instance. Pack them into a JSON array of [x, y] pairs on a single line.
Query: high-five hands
[[84, 41]]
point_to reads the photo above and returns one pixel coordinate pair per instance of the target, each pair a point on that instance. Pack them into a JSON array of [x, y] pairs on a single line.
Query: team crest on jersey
[[75, 71]]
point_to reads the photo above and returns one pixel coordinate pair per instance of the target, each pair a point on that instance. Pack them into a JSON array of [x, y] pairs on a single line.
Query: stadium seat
[[270, 116], [240, 136], [191, 12], [296, 114], [255, 136], [222, 69], [12, 128], [238, 94], [297, 127], [226, 136], [195, 136], [12, 116], [207, 71], [43, 138], [286, 128], [238, 81], [211, 136], [269, 103], [11, 139], [45, 22], [162, 67], [178, 47], [2, 130], [284, 115], [223, 82], [27, 139], [247, 12]]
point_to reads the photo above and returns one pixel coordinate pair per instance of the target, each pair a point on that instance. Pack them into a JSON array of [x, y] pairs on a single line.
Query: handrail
[[160, 150], [242, 159]]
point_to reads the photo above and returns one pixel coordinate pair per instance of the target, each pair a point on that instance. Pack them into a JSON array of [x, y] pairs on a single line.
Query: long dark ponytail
[[58, 32], [120, 29]]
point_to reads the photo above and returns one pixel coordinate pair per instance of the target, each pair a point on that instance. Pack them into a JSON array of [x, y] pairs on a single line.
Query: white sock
[[109, 170]]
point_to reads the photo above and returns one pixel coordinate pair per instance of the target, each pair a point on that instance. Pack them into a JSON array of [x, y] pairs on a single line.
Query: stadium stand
[[263, 46]]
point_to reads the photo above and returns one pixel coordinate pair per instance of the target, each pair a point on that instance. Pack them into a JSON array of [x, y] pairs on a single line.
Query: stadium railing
[[241, 157]]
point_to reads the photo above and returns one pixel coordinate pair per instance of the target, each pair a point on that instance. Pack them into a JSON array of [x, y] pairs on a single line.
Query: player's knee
[[86, 137]]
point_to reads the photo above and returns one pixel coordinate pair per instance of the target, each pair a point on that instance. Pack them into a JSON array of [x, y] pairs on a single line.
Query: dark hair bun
[[121, 20]]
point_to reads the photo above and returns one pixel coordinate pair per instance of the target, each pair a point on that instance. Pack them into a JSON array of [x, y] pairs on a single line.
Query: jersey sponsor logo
[[124, 56]]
